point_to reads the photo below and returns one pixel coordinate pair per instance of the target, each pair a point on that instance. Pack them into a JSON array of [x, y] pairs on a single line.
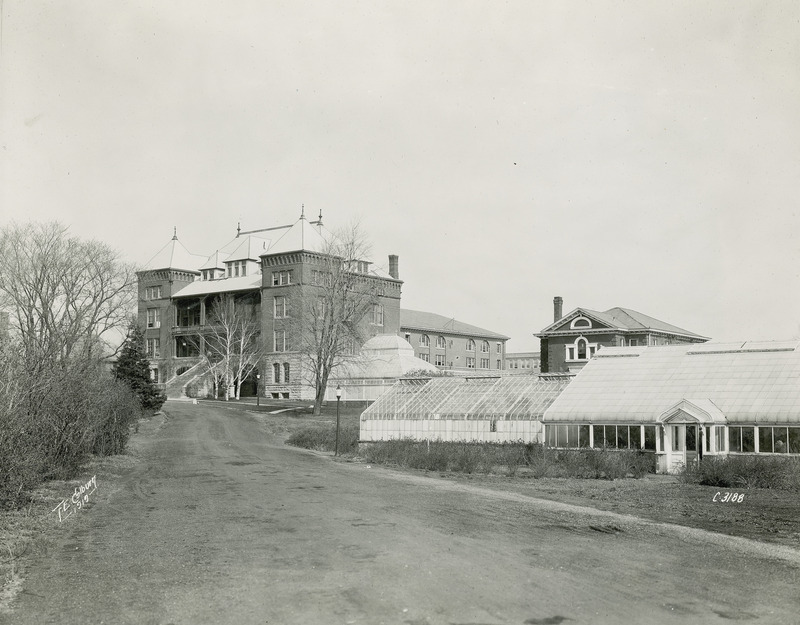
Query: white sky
[[635, 154]]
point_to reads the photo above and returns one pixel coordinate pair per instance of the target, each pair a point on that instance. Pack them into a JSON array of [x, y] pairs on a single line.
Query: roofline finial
[[238, 229], [302, 211], [174, 233]]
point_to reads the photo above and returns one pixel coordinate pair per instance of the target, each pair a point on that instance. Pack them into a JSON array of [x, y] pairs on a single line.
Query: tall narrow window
[[441, 343], [377, 314], [154, 348], [153, 318], [276, 373], [286, 373], [279, 340], [424, 340], [280, 306], [485, 347], [581, 349], [470, 345]]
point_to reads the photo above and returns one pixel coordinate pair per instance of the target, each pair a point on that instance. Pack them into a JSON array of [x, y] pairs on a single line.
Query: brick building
[[524, 362], [264, 271], [571, 340], [451, 344]]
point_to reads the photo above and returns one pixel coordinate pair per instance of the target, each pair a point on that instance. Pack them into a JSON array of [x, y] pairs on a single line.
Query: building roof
[[622, 319], [431, 322], [250, 248], [224, 285], [523, 355], [457, 397], [302, 235], [384, 356], [740, 382], [215, 261], [175, 256]]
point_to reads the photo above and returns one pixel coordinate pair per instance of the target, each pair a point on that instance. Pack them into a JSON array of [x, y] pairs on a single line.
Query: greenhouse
[[499, 409], [682, 402]]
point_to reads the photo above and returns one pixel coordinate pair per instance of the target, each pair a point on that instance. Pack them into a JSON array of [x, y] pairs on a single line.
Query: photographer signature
[[78, 500]]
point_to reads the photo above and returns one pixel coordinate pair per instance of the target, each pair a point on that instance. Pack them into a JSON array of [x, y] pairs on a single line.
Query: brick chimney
[[394, 266], [557, 308]]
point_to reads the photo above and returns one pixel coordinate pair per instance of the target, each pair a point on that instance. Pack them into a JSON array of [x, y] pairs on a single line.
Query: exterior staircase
[[175, 387]]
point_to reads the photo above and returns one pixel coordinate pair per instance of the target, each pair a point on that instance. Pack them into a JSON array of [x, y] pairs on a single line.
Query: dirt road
[[220, 524]]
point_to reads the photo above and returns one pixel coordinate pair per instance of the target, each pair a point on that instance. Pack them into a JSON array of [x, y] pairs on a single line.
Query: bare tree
[[65, 297], [333, 312], [232, 342]]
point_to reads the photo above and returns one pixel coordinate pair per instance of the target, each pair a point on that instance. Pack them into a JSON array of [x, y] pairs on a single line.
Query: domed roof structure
[[386, 356]]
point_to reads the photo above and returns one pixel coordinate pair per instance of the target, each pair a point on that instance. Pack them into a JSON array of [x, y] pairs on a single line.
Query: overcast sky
[[635, 154]]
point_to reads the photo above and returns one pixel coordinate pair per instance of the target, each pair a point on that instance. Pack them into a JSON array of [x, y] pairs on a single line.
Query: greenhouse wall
[[469, 430]]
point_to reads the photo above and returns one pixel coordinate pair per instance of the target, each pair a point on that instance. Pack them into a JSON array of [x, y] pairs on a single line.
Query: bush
[[323, 438], [745, 472], [51, 435]]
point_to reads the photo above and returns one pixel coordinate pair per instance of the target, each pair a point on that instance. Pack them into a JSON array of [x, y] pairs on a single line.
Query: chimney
[[394, 268], [557, 304]]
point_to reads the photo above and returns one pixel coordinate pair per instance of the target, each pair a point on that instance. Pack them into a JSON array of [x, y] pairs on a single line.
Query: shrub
[[745, 472], [323, 438]]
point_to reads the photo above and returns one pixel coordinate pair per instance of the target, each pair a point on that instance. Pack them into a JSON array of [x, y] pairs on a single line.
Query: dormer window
[[237, 268]]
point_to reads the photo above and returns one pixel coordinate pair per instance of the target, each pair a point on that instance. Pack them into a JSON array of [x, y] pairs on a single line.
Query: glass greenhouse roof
[[505, 397], [744, 382]]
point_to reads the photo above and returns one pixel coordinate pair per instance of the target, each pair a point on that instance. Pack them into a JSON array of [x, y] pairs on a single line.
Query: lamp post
[[338, 399], [258, 396]]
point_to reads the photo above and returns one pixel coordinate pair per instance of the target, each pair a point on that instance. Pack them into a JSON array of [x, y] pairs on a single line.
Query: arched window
[[440, 342], [581, 349], [581, 322], [485, 347], [286, 373], [470, 345], [276, 373], [425, 340]]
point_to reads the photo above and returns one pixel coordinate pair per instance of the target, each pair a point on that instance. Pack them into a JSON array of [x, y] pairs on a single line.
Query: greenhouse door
[[683, 446]]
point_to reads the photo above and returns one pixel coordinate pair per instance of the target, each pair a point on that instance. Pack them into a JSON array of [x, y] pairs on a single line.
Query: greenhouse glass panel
[[780, 439], [622, 436], [611, 436], [735, 438], [650, 437], [748, 439], [719, 434], [572, 436], [794, 440], [599, 439], [583, 436], [765, 440], [550, 431]]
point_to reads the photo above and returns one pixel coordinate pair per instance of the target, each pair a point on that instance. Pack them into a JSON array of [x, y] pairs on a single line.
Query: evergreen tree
[[133, 368]]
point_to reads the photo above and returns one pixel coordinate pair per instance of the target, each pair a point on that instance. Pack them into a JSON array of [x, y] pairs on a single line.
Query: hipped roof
[[175, 256], [624, 319], [431, 322]]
